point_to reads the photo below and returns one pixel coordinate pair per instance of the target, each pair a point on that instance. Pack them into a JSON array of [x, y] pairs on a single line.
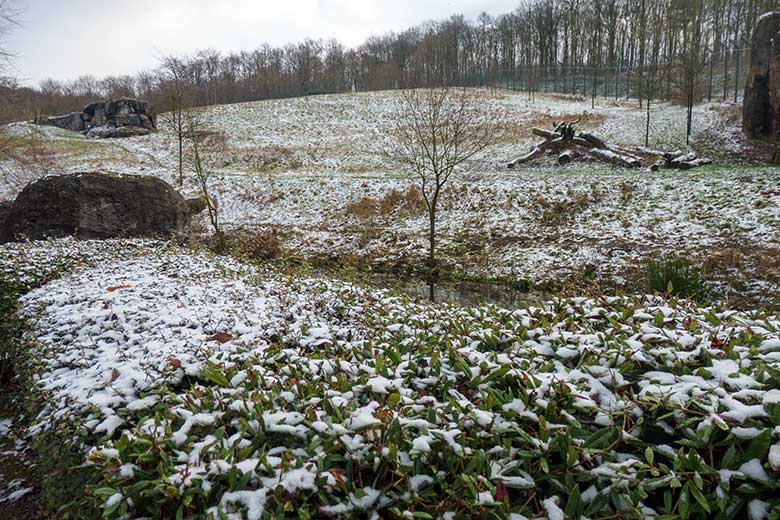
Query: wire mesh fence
[[712, 80]]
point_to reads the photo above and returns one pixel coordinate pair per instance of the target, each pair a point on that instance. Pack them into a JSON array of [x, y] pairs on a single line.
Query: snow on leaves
[[628, 406]]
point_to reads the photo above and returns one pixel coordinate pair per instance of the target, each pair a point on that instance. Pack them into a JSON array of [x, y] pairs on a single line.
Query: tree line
[[656, 48]]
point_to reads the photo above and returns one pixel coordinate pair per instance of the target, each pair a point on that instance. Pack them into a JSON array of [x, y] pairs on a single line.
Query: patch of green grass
[[675, 275]]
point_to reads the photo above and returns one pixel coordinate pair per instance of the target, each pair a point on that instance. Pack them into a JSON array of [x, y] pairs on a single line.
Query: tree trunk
[[690, 116], [432, 239], [647, 124]]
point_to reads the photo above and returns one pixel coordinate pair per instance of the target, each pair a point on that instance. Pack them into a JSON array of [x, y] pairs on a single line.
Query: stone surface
[[73, 121], [114, 113], [106, 132], [5, 209], [96, 205], [761, 109]]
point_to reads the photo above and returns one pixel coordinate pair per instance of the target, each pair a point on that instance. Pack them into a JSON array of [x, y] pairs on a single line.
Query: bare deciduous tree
[[177, 97], [202, 143], [434, 132], [8, 19]]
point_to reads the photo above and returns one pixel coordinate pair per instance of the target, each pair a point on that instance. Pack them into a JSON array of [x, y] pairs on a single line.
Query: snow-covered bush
[[204, 389]]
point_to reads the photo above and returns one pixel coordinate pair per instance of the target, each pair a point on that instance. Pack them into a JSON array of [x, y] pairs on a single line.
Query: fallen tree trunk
[[595, 141], [622, 151], [686, 162], [547, 134], [579, 141], [614, 158], [568, 145], [536, 151]]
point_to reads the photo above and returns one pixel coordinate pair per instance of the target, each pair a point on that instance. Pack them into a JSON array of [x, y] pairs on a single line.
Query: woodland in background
[[645, 49]]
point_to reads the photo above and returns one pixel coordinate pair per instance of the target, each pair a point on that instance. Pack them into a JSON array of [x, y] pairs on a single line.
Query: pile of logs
[[564, 141]]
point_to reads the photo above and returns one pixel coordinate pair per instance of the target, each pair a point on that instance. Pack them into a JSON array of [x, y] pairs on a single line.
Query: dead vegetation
[[554, 212], [401, 204], [248, 244], [263, 159], [24, 159]]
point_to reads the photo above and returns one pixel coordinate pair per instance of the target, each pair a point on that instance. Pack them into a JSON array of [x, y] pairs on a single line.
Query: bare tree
[[203, 142], [8, 20], [178, 100], [434, 132], [689, 65]]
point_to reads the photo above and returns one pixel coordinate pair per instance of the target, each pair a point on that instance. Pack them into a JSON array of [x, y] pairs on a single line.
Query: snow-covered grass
[[296, 165], [205, 388]]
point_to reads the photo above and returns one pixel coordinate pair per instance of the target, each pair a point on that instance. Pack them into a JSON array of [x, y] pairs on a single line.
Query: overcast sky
[[63, 39]]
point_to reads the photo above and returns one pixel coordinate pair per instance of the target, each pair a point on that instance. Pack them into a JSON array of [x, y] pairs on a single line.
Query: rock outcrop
[[96, 205], [113, 118], [761, 109], [5, 209]]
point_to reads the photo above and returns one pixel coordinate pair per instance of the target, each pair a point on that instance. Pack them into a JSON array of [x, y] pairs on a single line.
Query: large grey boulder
[[96, 205], [105, 131], [761, 108], [113, 118], [73, 121], [5, 209], [120, 112]]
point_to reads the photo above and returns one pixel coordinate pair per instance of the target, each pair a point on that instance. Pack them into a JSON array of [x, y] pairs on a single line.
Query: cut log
[[536, 151], [702, 161], [594, 140], [557, 143], [614, 158], [579, 141], [566, 145], [681, 164], [684, 158], [648, 151], [566, 157], [622, 151], [547, 134]]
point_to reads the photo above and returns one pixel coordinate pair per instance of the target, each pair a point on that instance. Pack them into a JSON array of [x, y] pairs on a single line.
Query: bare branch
[[433, 133]]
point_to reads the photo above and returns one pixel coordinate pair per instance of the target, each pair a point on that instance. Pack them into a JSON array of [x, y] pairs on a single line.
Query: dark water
[[462, 293]]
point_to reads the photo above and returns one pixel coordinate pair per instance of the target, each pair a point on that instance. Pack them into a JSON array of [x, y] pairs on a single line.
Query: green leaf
[[393, 399], [699, 496], [215, 374], [601, 439], [573, 503], [683, 504], [759, 446]]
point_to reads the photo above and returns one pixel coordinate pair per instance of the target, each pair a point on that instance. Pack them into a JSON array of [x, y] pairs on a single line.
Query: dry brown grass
[[403, 203], [565, 97], [365, 207], [249, 244], [395, 202], [263, 159], [485, 93], [765, 261]]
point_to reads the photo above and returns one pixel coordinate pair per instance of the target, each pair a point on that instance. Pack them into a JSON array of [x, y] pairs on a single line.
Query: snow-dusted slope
[[296, 165]]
